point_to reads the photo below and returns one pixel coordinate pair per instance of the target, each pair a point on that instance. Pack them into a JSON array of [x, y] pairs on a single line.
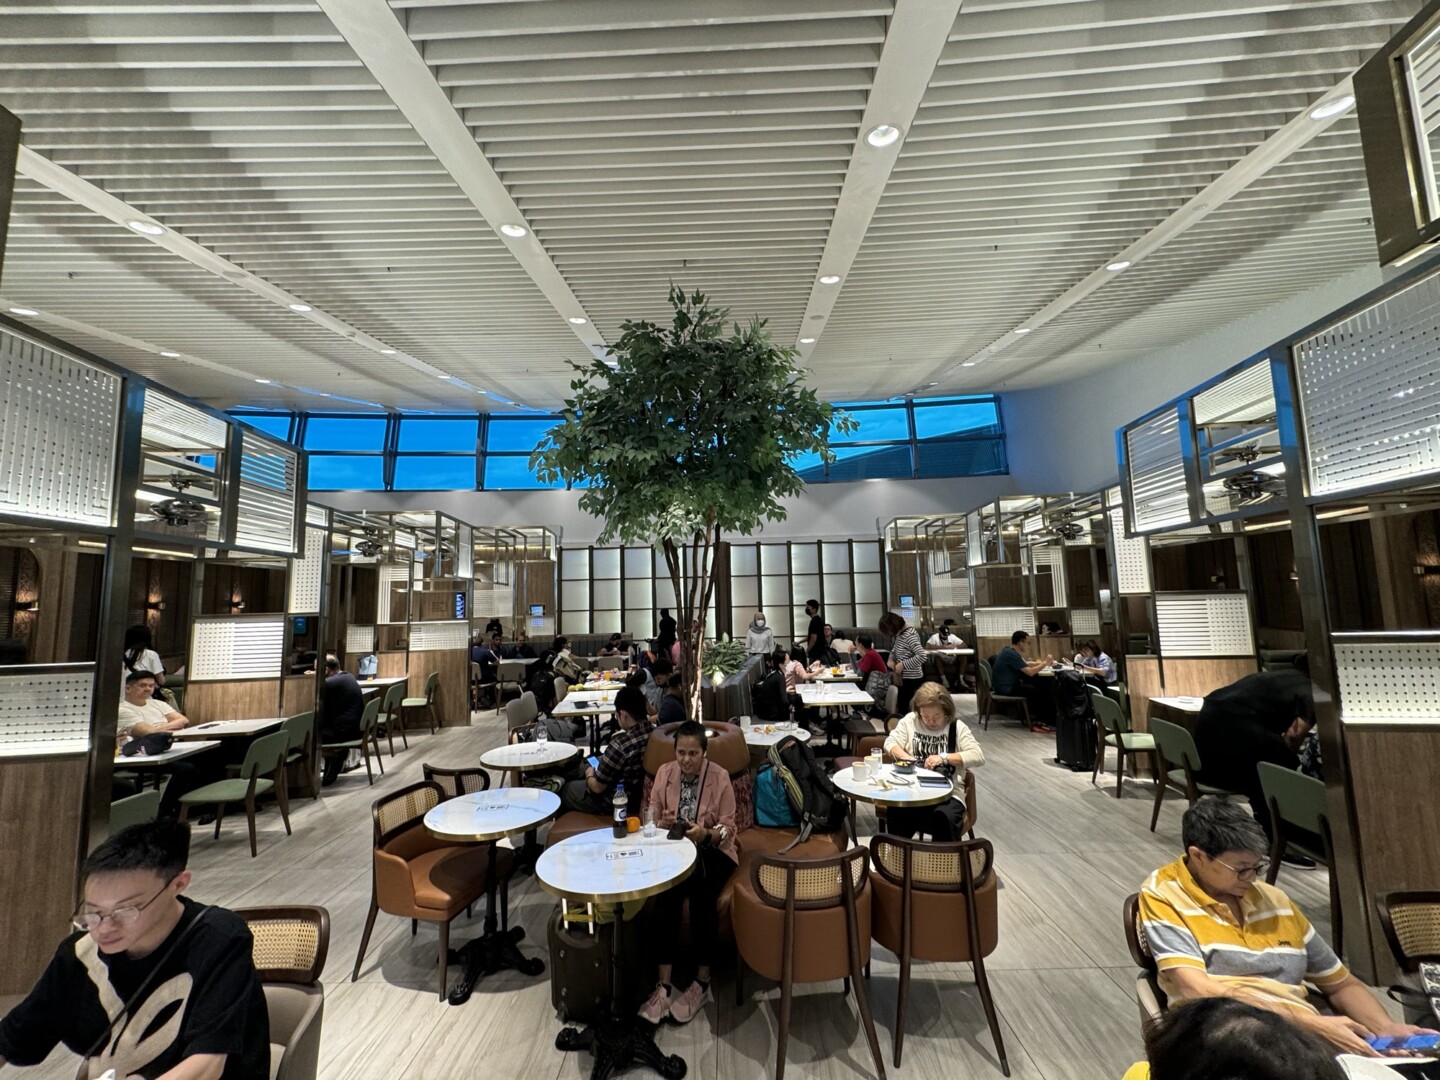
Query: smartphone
[[1404, 1042], [935, 781], [593, 761], [678, 830]]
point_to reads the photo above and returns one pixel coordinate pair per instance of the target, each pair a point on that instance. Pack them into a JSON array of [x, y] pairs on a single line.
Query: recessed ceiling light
[[883, 135], [301, 308], [516, 231], [263, 382], [1023, 329], [807, 341], [387, 352], [1332, 108], [25, 311], [830, 279], [1118, 265], [576, 320], [968, 363], [169, 355], [447, 376], [146, 228]]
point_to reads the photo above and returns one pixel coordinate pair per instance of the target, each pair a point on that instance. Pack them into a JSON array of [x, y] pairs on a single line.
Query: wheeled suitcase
[[1074, 723], [580, 964]]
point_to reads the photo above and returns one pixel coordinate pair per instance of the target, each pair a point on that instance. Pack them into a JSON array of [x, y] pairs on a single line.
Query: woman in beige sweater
[[931, 736]]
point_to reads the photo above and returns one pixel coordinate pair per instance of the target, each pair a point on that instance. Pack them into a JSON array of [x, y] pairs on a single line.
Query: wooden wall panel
[[262, 590], [1196, 677], [902, 577], [1142, 678], [1397, 818], [41, 833], [1206, 564], [1277, 597], [297, 694], [249, 699], [390, 664], [452, 699]]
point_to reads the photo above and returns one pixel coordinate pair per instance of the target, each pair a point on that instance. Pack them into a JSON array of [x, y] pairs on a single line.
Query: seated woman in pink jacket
[[694, 790]]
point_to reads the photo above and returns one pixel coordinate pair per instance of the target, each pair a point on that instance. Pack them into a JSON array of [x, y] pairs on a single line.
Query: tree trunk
[[693, 592]]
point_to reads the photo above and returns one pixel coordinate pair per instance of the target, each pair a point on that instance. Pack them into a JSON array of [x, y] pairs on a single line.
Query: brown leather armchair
[[936, 901], [420, 877], [789, 916]]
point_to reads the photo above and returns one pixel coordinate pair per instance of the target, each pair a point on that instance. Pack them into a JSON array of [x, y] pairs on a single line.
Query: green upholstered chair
[[1179, 764], [367, 739], [392, 716], [134, 810], [301, 730], [1116, 733], [1299, 821], [432, 684], [261, 773], [988, 698]]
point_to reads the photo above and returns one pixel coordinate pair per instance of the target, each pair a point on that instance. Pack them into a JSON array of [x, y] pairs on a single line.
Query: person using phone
[[1216, 929], [142, 950], [622, 762], [932, 736], [1222, 1037], [695, 795]]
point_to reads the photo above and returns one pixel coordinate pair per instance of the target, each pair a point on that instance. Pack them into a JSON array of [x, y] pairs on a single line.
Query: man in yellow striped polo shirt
[[1217, 931]]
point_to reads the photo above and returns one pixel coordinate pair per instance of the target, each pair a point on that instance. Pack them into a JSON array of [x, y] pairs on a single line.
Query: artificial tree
[[681, 434]]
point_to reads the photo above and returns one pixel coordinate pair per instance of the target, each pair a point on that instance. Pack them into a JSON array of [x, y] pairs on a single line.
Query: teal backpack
[[772, 804]]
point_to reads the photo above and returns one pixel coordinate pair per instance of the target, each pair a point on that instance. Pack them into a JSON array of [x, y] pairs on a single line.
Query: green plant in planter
[[683, 433], [723, 657]]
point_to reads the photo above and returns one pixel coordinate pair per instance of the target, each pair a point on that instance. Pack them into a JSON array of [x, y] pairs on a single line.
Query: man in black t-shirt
[[341, 706], [814, 636], [152, 982]]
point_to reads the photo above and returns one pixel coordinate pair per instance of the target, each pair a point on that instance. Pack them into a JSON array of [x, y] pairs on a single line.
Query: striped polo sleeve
[[1170, 940], [1323, 968]]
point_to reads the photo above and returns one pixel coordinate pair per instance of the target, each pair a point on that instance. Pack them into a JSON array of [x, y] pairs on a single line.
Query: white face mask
[[759, 622]]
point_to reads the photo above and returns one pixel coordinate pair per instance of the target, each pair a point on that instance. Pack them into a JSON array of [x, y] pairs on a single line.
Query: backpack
[[877, 685], [769, 701], [772, 805], [811, 793], [1072, 696], [542, 685]]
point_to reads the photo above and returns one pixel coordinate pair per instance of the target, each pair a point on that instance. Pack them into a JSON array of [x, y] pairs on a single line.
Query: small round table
[[597, 868], [906, 790], [758, 738], [486, 817], [528, 756]]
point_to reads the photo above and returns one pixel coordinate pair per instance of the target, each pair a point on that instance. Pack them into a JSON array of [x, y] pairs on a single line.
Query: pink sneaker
[[684, 1008], [658, 1007]]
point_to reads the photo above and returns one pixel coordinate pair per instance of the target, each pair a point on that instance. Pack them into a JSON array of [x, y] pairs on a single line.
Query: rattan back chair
[[455, 782], [289, 950]]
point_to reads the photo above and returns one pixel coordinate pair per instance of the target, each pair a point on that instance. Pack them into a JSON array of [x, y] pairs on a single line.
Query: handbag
[[157, 742]]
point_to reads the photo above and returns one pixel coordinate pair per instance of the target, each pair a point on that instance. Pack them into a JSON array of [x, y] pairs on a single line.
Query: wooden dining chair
[[937, 901], [1115, 732], [1299, 819], [301, 755], [369, 738], [987, 698], [392, 715], [261, 773], [1179, 765], [432, 687], [289, 947]]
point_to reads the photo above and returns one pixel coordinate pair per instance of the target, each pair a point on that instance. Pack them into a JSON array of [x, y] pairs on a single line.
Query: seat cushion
[[572, 824], [1177, 777], [414, 702], [449, 878], [1133, 740], [225, 791]]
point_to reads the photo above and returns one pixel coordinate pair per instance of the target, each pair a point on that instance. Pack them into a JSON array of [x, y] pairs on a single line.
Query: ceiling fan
[[179, 512], [1245, 454], [1250, 488]]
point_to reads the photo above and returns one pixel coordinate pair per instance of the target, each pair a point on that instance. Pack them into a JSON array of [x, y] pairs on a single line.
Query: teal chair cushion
[[1133, 740], [225, 791]]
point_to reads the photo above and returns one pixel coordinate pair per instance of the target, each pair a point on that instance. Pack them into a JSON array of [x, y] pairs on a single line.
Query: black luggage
[[580, 965], [1074, 722]]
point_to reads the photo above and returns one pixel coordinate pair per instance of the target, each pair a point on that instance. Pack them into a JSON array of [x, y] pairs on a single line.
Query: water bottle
[[621, 810], [542, 733]]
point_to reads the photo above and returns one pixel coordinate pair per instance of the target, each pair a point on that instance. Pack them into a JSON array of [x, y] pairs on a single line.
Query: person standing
[[665, 633], [140, 654], [759, 639], [342, 703], [495, 628], [907, 657], [815, 634]]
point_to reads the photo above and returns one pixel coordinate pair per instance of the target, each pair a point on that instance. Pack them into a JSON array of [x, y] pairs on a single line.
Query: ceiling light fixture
[[23, 311], [807, 341], [1118, 265], [576, 320], [1023, 329], [301, 308], [1332, 108], [169, 355], [146, 228], [882, 136], [968, 363], [516, 231], [387, 352], [829, 279], [447, 376], [263, 382]]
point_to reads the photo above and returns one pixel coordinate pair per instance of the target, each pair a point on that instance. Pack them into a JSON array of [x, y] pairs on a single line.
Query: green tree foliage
[[686, 432]]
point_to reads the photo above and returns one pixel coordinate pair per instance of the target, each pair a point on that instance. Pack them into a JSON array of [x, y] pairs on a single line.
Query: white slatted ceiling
[[650, 142], [45, 712], [58, 418], [252, 647], [269, 494], [1204, 624], [1370, 394]]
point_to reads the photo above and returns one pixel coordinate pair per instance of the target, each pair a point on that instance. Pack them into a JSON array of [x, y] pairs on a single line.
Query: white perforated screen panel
[[1398, 679], [1248, 395], [58, 420], [1204, 624], [1132, 558], [498, 601], [1084, 621], [1370, 393], [974, 539], [359, 639], [1157, 473], [305, 573], [434, 636], [269, 495], [46, 712], [1003, 621], [175, 425], [237, 648], [391, 575], [1052, 557]]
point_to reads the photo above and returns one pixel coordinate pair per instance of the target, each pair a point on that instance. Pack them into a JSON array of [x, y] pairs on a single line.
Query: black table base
[[495, 950], [617, 1044]]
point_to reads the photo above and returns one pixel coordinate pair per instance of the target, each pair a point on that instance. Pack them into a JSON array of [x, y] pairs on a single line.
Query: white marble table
[[231, 729], [596, 868], [759, 737], [477, 818], [188, 748], [524, 757], [381, 683], [586, 703], [1183, 704], [819, 695], [904, 789], [827, 675]]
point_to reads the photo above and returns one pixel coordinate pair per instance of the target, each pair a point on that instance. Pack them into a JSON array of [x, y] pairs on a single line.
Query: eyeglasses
[[1249, 873], [122, 916]]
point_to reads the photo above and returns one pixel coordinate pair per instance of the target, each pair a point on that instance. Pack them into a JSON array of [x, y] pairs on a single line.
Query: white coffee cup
[[860, 771]]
